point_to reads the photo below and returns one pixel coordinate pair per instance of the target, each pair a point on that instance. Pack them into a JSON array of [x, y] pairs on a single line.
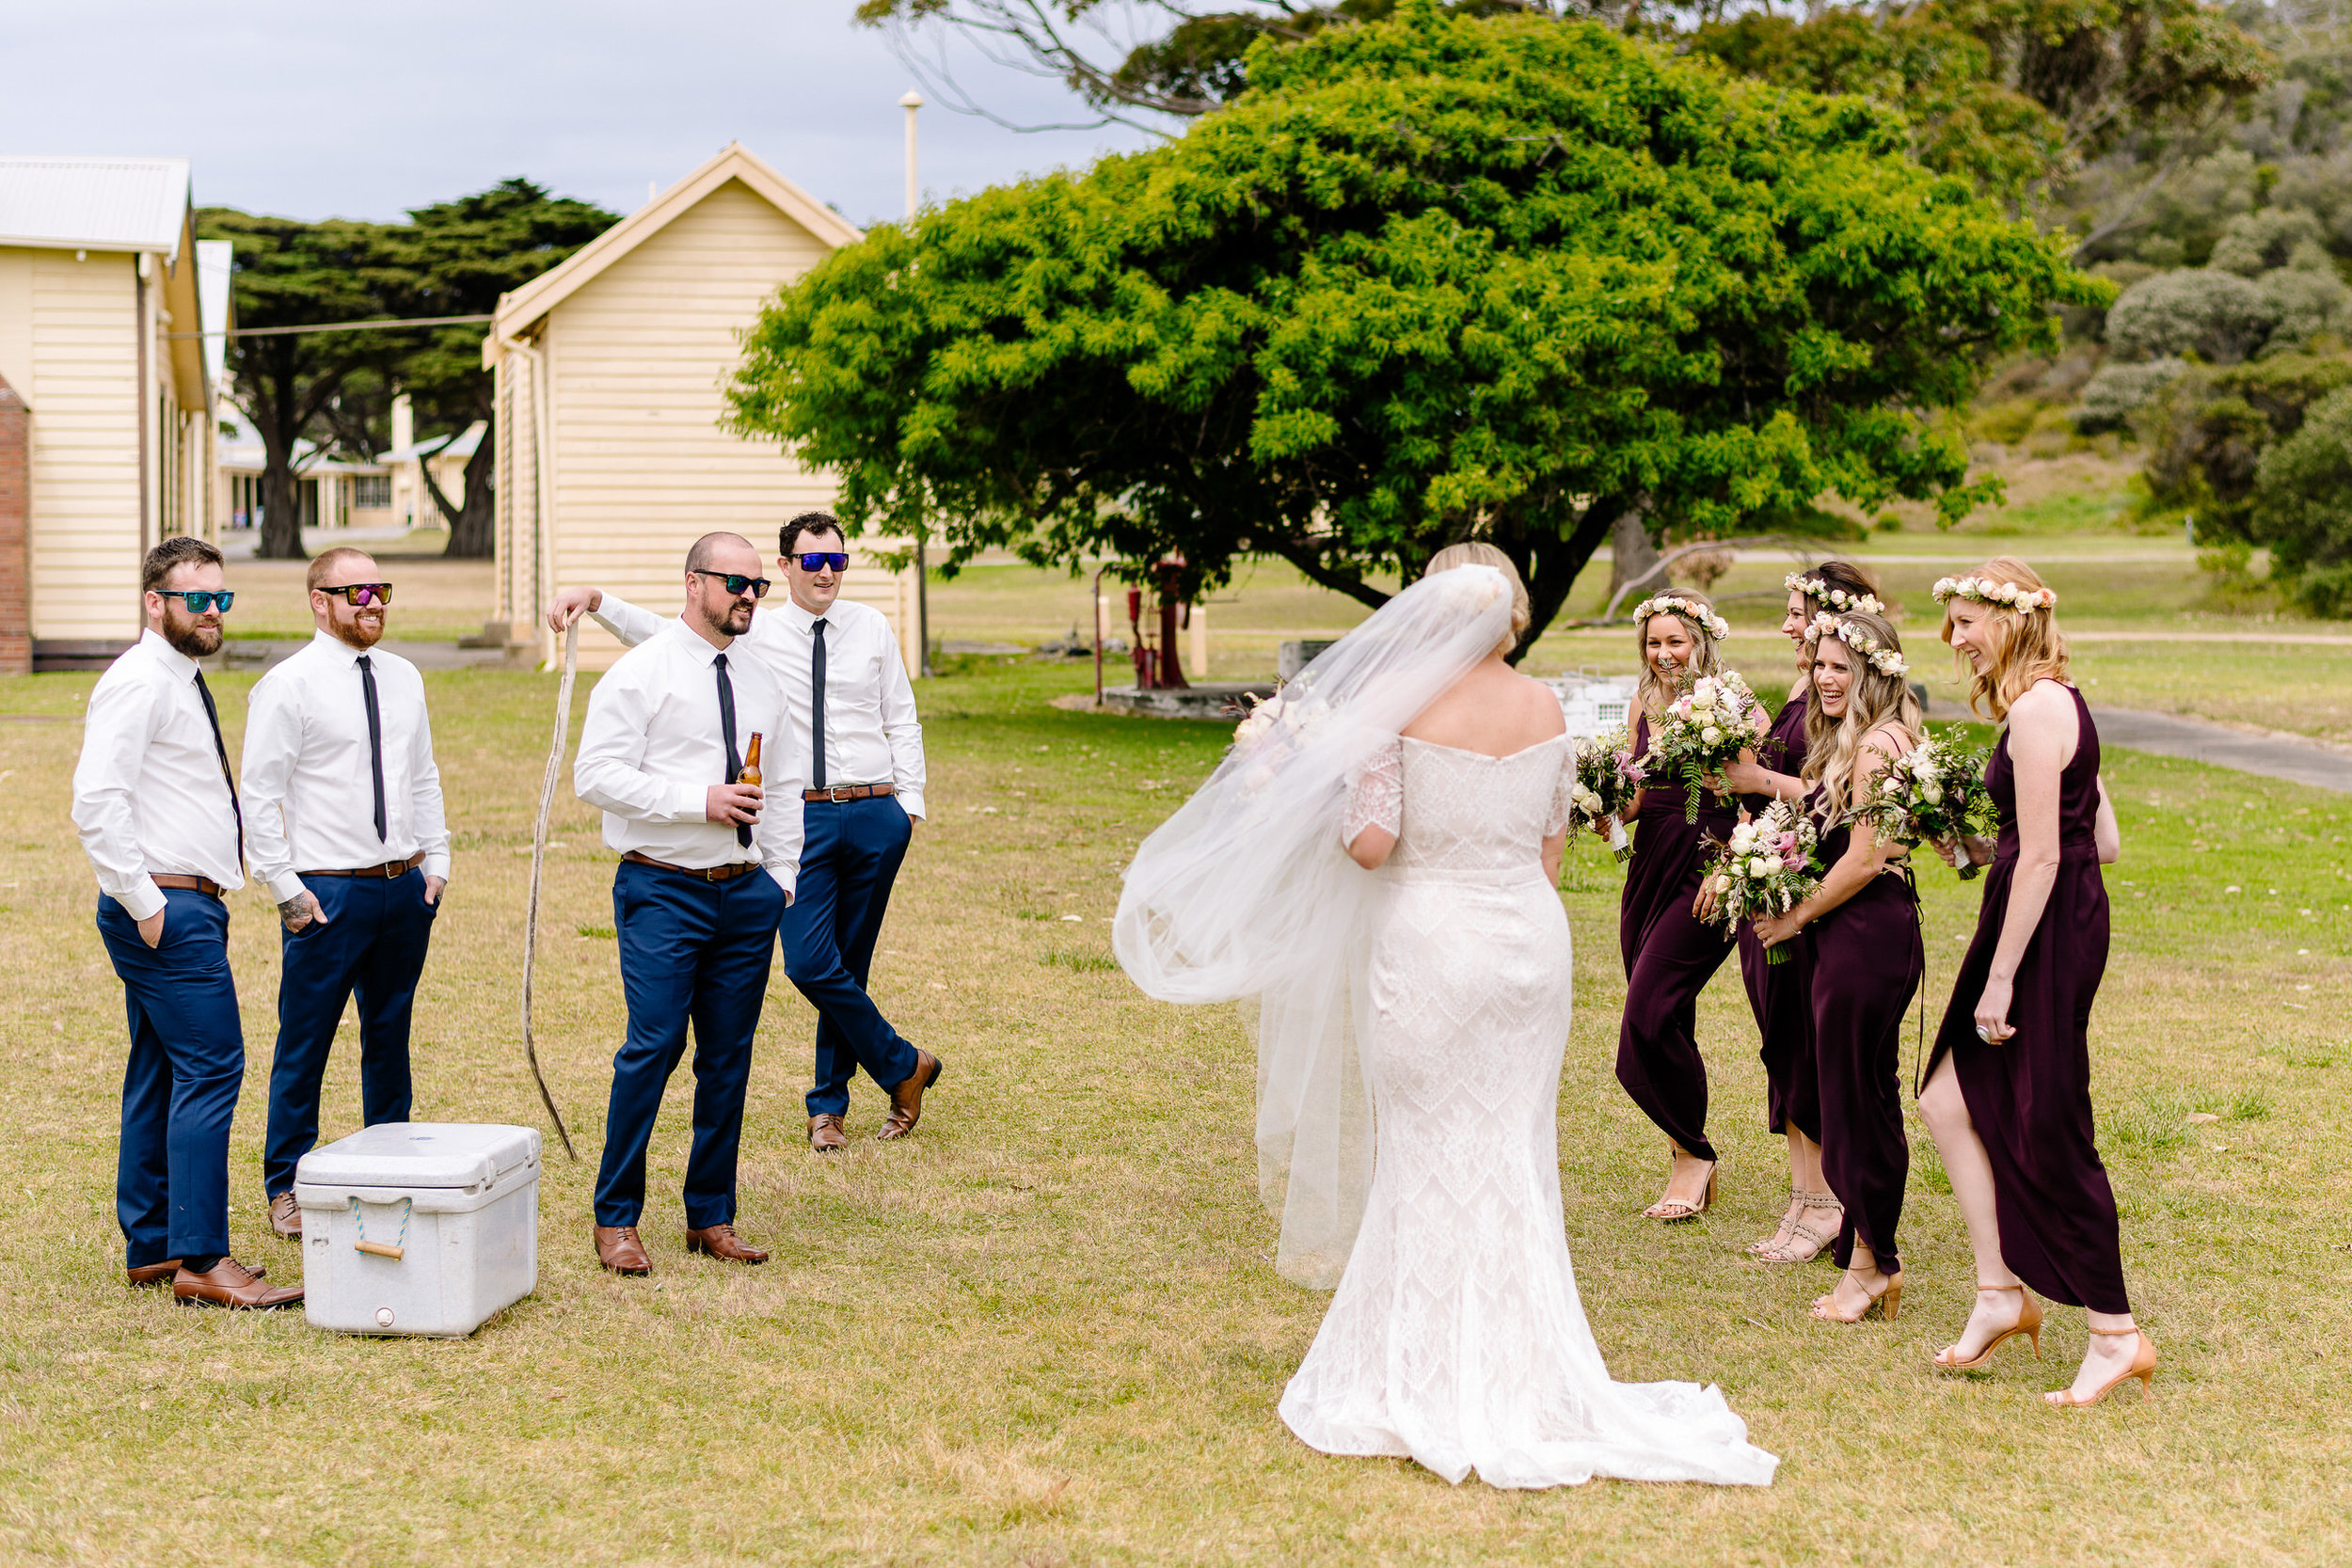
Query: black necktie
[[375, 743], [220, 750], [726, 730], [817, 707]]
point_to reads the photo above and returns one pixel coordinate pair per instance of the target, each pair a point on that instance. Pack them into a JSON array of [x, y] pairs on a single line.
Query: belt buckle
[[842, 792]]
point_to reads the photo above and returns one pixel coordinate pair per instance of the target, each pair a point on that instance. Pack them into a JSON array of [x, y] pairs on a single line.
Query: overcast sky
[[327, 108]]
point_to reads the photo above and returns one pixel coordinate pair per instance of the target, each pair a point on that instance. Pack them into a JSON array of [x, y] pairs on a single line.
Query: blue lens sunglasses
[[201, 600], [819, 560]]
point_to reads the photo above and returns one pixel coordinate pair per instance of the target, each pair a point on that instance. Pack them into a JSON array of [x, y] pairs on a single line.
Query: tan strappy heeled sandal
[[2028, 1324], [1670, 1210], [2144, 1367], [1780, 1250]]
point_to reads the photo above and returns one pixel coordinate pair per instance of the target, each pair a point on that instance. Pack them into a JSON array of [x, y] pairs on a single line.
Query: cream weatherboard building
[[106, 395], [611, 458]]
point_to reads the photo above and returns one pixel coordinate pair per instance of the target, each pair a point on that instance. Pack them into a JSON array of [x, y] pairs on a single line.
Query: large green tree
[[1430, 278], [288, 273], [456, 259]]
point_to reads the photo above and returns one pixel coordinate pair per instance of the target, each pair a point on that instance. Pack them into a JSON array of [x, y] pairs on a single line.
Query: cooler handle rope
[[395, 1250]]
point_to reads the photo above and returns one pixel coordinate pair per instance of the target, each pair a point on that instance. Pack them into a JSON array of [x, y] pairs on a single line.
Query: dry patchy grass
[[1045, 1331]]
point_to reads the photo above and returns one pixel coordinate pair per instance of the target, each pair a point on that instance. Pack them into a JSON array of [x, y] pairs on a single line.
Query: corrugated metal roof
[[213, 260], [93, 203]]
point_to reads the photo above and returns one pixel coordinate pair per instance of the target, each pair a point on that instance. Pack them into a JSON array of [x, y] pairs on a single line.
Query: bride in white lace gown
[[1456, 1337]]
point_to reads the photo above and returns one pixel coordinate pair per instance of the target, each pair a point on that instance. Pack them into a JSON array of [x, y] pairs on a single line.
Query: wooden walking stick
[[538, 860]]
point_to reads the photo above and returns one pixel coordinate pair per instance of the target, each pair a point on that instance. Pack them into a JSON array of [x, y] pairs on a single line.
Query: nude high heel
[[2028, 1324], [1889, 1299], [2144, 1367], [1673, 1208]]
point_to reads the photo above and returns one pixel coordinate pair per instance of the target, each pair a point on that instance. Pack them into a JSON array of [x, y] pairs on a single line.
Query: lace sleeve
[[1376, 800], [1562, 795]]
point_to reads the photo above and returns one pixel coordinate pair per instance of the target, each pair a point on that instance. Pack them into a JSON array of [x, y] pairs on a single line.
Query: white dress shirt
[[148, 793], [653, 746], [871, 732], [310, 794]]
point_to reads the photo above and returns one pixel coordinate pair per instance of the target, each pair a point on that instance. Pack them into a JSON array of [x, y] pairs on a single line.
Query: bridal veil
[[1247, 894]]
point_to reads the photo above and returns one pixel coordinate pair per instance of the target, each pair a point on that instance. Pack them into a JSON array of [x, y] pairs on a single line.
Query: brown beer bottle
[[751, 763]]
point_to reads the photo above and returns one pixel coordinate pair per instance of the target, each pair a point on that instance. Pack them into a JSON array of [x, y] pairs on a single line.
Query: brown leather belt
[[204, 885], [388, 870], [701, 873], [850, 792]]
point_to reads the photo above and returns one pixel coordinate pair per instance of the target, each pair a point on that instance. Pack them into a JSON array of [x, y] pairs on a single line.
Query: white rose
[[1759, 867], [1932, 792], [1710, 734]]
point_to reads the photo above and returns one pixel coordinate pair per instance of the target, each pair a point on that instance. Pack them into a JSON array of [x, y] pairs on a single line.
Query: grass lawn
[[1046, 1330]]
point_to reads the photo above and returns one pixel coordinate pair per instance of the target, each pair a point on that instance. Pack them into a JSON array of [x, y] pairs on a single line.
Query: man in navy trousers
[[157, 813], [343, 809], [706, 867]]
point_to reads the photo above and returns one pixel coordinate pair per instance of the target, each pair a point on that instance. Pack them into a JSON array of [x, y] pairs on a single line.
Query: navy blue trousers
[[852, 855], [691, 951], [373, 946], [180, 1088]]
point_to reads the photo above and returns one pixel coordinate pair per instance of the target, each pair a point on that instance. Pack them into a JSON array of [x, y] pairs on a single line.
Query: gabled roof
[[93, 203], [519, 312], [463, 444]]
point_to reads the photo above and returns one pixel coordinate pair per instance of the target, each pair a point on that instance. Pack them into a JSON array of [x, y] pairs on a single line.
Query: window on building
[[371, 492]]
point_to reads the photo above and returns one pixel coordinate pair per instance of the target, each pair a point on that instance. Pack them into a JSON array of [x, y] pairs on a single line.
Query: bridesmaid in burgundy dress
[[2007, 1096], [1776, 992], [1864, 925], [1670, 953]]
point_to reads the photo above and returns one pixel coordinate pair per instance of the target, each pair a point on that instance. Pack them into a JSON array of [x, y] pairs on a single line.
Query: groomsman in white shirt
[[707, 865], [157, 813], [854, 721], [343, 812]]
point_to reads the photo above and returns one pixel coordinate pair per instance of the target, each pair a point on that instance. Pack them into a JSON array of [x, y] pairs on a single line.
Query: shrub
[[2308, 297], [2117, 392], [2303, 508], [2254, 243], [2205, 432], [2217, 315]]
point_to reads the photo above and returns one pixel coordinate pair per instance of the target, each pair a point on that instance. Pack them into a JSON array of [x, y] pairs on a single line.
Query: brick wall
[[16, 522]]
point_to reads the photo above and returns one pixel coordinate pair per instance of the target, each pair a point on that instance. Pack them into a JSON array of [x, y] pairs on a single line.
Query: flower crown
[[1885, 661], [1985, 590], [1672, 604], [1814, 588]]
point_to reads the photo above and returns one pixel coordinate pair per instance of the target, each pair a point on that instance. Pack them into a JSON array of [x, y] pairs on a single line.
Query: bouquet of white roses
[[1710, 721], [1767, 867], [1608, 776], [1933, 793]]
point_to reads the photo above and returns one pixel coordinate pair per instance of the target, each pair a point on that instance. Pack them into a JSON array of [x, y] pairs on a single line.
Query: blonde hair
[[1652, 693], [1477, 552], [1873, 699], [2022, 646]]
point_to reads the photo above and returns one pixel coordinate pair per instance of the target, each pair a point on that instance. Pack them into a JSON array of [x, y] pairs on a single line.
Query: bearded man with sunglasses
[[343, 812], [855, 732], [157, 813], [706, 867]]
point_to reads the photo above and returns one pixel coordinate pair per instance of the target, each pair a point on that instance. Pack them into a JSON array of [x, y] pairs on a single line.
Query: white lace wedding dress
[[1456, 1337]]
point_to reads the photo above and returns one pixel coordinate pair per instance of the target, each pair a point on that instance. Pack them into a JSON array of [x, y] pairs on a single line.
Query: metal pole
[[910, 103]]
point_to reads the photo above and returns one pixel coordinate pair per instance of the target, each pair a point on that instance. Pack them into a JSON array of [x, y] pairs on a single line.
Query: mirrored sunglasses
[[201, 600], [821, 561], [738, 584], [363, 593]]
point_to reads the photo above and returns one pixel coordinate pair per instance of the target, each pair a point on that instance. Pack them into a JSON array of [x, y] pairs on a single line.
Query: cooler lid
[[419, 1154]]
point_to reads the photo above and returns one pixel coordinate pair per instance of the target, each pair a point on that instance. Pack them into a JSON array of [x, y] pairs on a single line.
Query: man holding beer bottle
[[670, 731]]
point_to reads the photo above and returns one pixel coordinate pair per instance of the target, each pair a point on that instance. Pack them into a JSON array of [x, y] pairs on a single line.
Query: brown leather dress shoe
[[285, 1216], [160, 1274], [231, 1284], [618, 1249], [825, 1134], [721, 1242], [906, 1099]]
